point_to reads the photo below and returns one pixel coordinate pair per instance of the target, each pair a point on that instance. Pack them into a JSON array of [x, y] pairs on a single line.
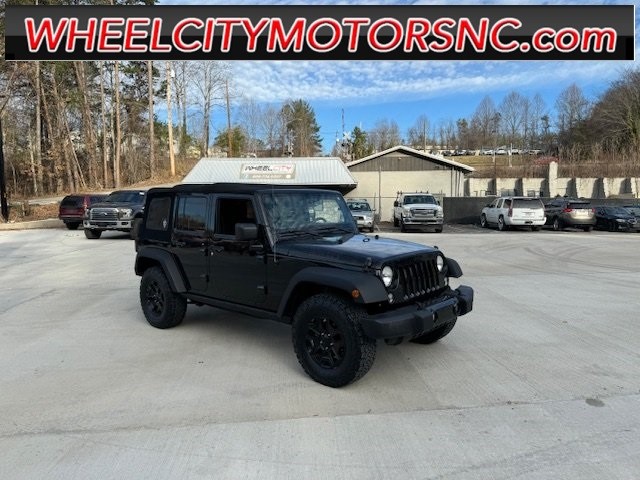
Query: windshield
[[125, 197], [309, 212], [419, 199], [359, 206], [617, 211]]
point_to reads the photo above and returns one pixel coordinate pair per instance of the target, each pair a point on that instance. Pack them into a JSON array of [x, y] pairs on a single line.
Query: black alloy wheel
[[162, 307], [329, 341]]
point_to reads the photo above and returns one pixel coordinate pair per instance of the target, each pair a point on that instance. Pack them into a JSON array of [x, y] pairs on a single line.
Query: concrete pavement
[[539, 381]]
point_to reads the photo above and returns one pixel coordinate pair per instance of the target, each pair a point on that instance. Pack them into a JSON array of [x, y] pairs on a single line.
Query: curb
[[48, 223]]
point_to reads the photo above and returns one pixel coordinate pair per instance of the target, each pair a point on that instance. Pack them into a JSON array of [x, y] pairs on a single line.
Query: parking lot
[[539, 381]]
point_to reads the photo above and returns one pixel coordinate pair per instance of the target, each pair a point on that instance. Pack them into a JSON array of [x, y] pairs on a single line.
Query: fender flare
[[166, 262], [370, 287]]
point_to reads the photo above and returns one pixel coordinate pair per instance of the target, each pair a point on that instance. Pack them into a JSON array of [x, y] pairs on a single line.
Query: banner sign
[[267, 171], [320, 32]]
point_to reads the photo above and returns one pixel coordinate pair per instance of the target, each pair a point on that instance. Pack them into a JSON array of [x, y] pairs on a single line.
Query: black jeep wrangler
[[293, 255]]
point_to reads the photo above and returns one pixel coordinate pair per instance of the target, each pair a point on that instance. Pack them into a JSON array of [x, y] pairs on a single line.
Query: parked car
[[501, 151], [120, 211], [614, 218], [362, 213], [564, 212], [507, 212], [72, 208], [417, 210], [300, 260]]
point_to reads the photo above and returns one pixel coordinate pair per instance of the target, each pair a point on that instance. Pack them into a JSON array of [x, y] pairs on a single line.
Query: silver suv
[[564, 212], [417, 210], [362, 213]]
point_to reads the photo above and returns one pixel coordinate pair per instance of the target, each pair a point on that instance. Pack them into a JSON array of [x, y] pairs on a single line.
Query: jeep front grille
[[418, 278], [104, 214]]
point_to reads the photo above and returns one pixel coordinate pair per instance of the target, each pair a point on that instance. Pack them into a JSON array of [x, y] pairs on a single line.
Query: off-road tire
[[92, 233], [611, 226], [587, 228], [395, 222], [162, 307], [501, 225], [329, 341], [73, 225], [438, 230], [483, 221], [403, 227], [435, 335]]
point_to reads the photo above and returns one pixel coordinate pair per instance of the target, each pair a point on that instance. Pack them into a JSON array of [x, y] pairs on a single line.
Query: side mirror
[[438, 202], [246, 231], [396, 204]]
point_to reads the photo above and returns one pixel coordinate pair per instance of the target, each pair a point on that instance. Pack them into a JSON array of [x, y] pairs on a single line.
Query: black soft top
[[244, 188]]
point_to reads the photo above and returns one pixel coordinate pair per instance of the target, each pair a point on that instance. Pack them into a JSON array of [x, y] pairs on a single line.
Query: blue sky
[[369, 91]]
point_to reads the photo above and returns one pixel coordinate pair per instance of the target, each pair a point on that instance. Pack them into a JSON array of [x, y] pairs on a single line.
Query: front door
[[238, 267]]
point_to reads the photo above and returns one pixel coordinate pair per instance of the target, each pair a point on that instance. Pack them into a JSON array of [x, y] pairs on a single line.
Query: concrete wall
[[381, 188]]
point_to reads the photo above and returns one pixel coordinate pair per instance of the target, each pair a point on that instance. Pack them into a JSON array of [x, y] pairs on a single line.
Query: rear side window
[[159, 213], [71, 201], [528, 203], [577, 205]]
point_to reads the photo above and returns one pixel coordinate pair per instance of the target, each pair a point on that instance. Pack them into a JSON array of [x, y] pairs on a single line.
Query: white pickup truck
[[417, 210]]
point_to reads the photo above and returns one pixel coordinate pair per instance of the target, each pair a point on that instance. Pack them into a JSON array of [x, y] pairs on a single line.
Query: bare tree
[[419, 133], [513, 112], [572, 107], [250, 115], [152, 138], [272, 127], [172, 159], [483, 119], [536, 112], [209, 80], [385, 134]]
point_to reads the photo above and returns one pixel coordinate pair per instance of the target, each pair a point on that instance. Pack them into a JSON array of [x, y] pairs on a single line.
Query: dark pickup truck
[[120, 211]]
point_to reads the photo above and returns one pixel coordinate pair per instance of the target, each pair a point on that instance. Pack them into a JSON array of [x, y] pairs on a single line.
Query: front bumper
[[422, 221], [417, 319], [122, 225]]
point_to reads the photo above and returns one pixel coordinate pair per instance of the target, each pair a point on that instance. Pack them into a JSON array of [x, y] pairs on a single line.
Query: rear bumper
[[525, 222], [417, 319]]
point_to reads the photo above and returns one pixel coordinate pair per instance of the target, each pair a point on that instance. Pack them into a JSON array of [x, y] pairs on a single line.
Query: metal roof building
[[327, 172], [382, 175]]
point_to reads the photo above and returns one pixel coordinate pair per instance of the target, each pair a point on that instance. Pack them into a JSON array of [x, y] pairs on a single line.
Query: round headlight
[[440, 263], [387, 276]]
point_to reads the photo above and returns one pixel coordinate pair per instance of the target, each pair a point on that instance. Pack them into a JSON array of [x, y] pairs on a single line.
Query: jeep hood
[[356, 251]]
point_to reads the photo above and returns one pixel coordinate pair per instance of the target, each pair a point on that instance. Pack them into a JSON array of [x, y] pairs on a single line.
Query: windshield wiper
[[294, 232], [329, 228]]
